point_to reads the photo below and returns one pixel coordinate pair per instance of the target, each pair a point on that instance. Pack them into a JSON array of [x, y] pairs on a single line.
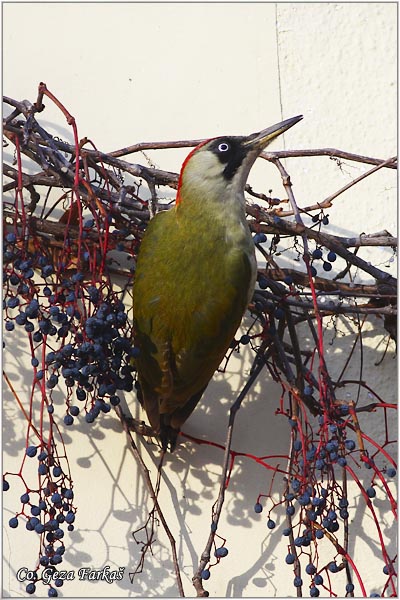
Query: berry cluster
[[47, 511], [316, 504], [79, 337], [318, 255]]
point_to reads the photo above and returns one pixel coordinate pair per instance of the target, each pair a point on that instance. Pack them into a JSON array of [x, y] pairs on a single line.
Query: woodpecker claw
[[168, 436]]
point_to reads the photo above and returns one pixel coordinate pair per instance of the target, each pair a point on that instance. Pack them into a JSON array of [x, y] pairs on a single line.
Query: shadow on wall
[[190, 478]]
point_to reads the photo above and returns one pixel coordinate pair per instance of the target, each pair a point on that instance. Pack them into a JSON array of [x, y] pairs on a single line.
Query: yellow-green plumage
[[194, 277], [187, 312]]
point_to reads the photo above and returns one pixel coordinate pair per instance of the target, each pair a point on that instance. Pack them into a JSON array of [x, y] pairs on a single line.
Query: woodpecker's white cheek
[[204, 168]]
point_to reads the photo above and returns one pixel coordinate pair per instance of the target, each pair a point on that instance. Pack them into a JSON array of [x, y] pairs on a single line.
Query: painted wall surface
[[133, 72]]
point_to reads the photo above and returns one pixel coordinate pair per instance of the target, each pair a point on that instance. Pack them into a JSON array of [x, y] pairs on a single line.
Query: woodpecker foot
[[168, 436]]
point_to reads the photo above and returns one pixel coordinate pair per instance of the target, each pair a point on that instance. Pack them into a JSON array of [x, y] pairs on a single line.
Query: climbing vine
[[73, 218]]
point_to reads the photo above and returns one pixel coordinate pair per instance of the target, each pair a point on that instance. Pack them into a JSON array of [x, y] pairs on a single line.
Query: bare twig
[[146, 475]]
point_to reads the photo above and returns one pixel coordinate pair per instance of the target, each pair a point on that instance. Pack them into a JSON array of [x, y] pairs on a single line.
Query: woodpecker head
[[218, 168]]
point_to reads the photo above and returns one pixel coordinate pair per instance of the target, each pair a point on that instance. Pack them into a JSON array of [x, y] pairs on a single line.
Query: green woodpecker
[[195, 275]]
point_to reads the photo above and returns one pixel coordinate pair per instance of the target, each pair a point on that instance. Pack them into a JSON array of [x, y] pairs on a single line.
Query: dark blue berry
[[258, 507], [68, 420], [310, 569], [259, 238], [31, 451], [271, 524], [59, 533], [32, 310], [331, 256], [314, 592], [304, 499], [391, 472], [326, 266], [318, 580], [52, 381], [29, 327], [115, 400], [46, 272], [290, 559], [297, 445], [11, 238], [295, 485], [221, 552], [81, 394], [299, 541], [317, 253], [89, 417], [350, 444], [297, 582], [13, 522], [263, 282], [30, 588], [349, 588], [25, 498], [205, 574], [371, 492], [13, 302], [20, 319], [70, 517], [56, 498]]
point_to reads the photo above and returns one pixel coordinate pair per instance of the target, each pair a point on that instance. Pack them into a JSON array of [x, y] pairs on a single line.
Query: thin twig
[[153, 494], [258, 365]]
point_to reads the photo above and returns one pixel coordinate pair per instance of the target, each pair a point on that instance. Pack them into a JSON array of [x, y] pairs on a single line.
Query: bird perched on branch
[[195, 275]]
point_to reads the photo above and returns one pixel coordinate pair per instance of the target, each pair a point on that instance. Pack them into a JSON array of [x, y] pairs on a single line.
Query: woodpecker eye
[[230, 151], [223, 147]]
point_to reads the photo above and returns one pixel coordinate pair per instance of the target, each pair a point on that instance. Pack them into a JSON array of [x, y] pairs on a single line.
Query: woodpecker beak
[[255, 143], [258, 141]]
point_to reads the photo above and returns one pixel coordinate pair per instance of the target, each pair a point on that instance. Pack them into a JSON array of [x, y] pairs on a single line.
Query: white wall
[[165, 71]]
